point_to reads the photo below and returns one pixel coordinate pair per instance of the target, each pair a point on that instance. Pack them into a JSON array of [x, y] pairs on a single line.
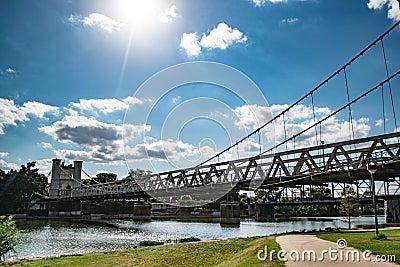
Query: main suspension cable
[[383, 110], [313, 112], [334, 113], [390, 87], [351, 128], [307, 94]]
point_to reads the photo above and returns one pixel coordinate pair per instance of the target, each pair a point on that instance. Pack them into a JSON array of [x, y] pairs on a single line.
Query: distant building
[[65, 176]]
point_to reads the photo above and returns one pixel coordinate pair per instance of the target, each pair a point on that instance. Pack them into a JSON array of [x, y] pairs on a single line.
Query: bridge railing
[[111, 188]]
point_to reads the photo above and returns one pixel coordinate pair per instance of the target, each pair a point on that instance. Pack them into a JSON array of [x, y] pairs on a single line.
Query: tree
[[319, 193], [105, 177], [87, 182], [3, 175], [349, 205], [17, 189], [244, 198], [137, 173], [8, 236], [134, 174]]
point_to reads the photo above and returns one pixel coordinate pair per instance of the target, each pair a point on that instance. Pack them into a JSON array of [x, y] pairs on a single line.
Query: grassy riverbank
[[366, 241], [227, 252]]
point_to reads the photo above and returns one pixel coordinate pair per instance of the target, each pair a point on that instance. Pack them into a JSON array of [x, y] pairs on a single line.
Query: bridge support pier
[[230, 214], [265, 212], [142, 212], [392, 211], [65, 208]]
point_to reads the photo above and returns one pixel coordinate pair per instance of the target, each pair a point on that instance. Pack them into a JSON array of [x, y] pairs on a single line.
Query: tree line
[[20, 187]]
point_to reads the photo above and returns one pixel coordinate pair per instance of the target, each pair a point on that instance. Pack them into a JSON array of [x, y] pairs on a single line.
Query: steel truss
[[340, 163]]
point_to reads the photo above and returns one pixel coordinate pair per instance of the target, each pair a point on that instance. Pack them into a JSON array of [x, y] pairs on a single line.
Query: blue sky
[[70, 69]]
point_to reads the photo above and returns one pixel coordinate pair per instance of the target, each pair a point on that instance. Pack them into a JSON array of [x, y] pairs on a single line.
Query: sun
[[135, 12]]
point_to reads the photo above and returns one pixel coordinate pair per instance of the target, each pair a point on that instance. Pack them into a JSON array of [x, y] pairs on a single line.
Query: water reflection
[[57, 238], [247, 227], [53, 238]]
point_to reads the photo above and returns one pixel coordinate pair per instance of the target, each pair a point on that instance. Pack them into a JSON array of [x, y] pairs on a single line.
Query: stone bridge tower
[[64, 176]]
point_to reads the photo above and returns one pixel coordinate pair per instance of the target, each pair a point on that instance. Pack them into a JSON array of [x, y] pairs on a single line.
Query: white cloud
[[39, 109], [249, 148], [259, 2], [44, 166], [333, 130], [8, 73], [46, 145], [12, 113], [392, 5], [132, 132], [300, 111], [264, 2], [101, 171], [289, 20], [87, 155], [4, 165], [378, 123], [191, 44], [163, 150], [82, 130], [298, 119], [10, 70], [105, 105], [133, 100], [376, 4], [99, 141], [168, 15], [98, 21], [177, 152], [253, 116], [394, 10], [220, 37]]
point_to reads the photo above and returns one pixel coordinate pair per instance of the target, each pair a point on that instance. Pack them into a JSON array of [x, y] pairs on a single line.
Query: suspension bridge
[[290, 166]]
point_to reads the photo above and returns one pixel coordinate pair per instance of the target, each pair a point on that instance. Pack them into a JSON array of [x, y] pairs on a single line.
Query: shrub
[[147, 243], [381, 236], [8, 236], [189, 239]]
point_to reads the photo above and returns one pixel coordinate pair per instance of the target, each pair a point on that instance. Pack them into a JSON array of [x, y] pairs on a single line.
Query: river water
[[54, 238]]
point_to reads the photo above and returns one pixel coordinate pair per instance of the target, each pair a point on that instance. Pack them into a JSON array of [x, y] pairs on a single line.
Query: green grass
[[227, 252], [367, 241]]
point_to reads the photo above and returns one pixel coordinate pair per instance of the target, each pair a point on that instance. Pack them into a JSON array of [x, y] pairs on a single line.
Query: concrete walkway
[[303, 247]]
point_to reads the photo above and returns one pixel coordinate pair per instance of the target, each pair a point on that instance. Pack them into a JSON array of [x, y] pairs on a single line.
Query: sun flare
[[135, 12]]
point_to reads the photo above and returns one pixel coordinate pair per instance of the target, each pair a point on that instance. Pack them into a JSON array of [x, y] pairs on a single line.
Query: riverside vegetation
[[8, 236], [227, 252]]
